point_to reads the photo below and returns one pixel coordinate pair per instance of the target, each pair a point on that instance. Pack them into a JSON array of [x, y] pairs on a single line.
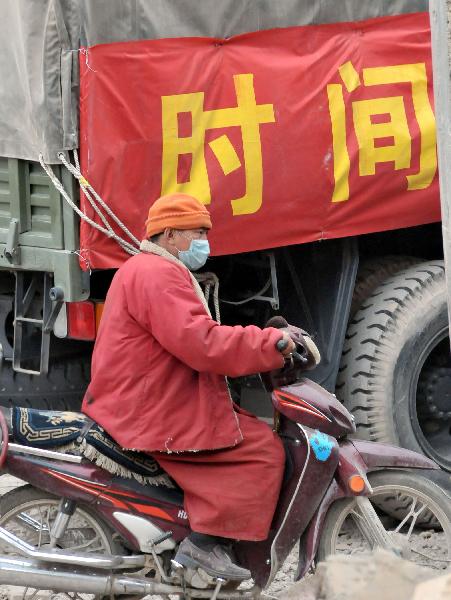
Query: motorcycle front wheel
[[414, 511]]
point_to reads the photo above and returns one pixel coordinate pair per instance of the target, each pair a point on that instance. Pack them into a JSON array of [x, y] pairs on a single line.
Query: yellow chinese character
[[247, 114], [394, 125]]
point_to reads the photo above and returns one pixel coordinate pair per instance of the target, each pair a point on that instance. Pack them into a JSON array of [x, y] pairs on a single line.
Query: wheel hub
[[435, 391]]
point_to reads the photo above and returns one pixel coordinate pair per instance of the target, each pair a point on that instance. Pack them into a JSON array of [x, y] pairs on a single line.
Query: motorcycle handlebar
[[298, 358], [295, 356]]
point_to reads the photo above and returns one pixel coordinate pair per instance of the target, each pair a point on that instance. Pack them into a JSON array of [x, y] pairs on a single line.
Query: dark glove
[[306, 345]]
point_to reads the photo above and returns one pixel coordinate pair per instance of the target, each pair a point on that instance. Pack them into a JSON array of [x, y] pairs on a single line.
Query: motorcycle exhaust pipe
[[92, 560], [35, 574], [31, 573]]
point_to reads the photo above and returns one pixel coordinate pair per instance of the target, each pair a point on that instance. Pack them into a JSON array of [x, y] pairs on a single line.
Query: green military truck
[[375, 299]]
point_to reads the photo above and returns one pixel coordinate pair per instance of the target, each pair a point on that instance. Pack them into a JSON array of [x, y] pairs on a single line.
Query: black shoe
[[215, 562]]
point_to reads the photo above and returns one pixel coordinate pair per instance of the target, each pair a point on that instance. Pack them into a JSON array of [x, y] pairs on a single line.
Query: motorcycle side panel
[[309, 541], [310, 474], [52, 476], [90, 485]]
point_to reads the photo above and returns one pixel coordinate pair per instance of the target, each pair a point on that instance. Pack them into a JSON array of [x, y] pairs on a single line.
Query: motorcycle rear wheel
[[29, 513], [419, 518]]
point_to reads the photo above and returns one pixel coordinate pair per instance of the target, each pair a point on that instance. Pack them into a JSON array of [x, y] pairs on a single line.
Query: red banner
[[288, 135]]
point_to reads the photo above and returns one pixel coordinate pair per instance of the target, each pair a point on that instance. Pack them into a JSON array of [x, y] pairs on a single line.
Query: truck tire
[[395, 372], [373, 272], [61, 389]]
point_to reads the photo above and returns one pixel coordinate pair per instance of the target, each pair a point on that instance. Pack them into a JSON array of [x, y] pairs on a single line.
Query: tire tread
[[360, 382]]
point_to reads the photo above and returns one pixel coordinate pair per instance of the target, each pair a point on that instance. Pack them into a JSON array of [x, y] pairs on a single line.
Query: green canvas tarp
[[40, 41]]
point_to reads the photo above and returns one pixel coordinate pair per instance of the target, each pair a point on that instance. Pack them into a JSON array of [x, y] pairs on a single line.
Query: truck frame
[[375, 303]]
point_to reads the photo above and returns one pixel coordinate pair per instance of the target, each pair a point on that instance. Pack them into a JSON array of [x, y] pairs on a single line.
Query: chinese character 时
[[247, 114]]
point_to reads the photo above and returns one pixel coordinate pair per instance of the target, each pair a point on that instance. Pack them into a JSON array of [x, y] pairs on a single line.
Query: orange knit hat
[[178, 211]]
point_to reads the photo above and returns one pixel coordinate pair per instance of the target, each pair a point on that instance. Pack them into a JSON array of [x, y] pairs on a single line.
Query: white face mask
[[196, 256]]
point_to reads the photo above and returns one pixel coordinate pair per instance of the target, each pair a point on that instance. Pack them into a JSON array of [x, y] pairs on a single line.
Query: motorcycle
[[79, 529]]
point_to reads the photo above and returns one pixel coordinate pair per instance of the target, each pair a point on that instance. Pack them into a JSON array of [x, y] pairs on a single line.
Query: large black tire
[[373, 272], [61, 389], [395, 373], [391, 490]]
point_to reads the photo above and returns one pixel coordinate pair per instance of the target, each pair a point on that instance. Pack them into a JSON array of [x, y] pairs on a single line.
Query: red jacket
[[159, 362]]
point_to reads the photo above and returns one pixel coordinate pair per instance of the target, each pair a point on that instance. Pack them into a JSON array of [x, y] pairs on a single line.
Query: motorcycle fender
[[377, 455], [355, 456]]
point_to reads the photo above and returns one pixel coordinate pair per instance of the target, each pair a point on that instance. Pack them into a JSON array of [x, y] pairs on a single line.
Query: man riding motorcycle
[[158, 385]]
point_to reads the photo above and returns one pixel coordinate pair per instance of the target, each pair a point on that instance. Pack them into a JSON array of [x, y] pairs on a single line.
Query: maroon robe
[[158, 386]]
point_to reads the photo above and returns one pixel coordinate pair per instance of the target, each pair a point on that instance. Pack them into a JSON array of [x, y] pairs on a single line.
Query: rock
[[369, 576], [435, 589], [307, 589]]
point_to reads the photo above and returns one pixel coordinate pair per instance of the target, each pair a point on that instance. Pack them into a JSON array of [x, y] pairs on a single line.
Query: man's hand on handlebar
[[305, 352], [285, 345]]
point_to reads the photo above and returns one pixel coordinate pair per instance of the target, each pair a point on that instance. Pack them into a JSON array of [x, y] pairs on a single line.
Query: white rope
[[87, 189], [77, 162], [108, 232], [207, 279], [95, 207]]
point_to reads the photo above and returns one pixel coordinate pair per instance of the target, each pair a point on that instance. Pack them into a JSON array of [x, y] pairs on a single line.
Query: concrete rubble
[[376, 576]]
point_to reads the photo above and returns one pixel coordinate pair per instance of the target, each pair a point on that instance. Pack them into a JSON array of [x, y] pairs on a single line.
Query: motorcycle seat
[[76, 433]]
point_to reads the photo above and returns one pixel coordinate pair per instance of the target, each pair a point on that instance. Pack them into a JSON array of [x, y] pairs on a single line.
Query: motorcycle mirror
[[278, 322]]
